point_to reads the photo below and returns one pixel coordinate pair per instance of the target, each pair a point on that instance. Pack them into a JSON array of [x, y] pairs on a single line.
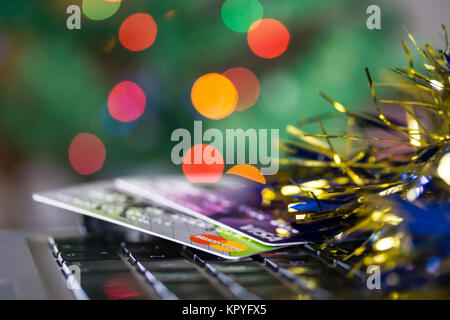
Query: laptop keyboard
[[98, 269]]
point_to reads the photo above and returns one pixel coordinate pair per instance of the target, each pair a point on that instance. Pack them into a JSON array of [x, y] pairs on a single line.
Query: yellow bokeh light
[[290, 190], [377, 215], [337, 158], [315, 183], [300, 216], [268, 194], [443, 169], [214, 96], [283, 233], [386, 243], [436, 84], [339, 107]]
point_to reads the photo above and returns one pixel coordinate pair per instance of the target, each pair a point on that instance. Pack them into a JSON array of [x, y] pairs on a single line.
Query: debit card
[[232, 203], [102, 201]]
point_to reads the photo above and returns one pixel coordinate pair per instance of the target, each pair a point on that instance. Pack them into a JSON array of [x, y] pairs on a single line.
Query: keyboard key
[[80, 247], [142, 251], [303, 274], [200, 290], [111, 286], [76, 244], [260, 277], [179, 276], [305, 271], [183, 279], [308, 261], [152, 254], [154, 245], [261, 283], [288, 256], [272, 291], [94, 266], [173, 264], [87, 255], [232, 286], [238, 266], [142, 246], [76, 240], [291, 253]]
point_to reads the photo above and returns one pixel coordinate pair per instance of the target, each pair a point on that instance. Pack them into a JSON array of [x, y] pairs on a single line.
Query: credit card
[[231, 203], [102, 201]]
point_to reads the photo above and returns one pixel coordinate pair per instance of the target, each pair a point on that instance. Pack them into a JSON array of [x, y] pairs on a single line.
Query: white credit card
[[103, 201], [231, 203]]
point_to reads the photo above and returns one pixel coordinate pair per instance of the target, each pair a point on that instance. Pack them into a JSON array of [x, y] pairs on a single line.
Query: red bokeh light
[[138, 32], [87, 153], [247, 85], [126, 101], [268, 38], [203, 163]]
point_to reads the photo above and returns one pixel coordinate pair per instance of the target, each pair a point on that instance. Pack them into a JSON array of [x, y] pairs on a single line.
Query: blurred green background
[[54, 82]]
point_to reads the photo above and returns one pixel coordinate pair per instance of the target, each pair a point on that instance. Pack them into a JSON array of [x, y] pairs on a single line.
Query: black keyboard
[[98, 269]]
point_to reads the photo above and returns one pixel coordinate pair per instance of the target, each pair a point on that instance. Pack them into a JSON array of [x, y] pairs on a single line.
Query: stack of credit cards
[[216, 218]]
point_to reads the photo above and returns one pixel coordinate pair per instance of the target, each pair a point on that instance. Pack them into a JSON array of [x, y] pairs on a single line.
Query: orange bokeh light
[[138, 32], [247, 171], [247, 85], [214, 96], [170, 14], [268, 38]]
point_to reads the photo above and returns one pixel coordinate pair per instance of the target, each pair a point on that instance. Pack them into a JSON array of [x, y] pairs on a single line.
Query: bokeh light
[[214, 96], [247, 171], [209, 167], [126, 102], [268, 38], [238, 15], [443, 169], [87, 153], [138, 32], [170, 14], [247, 85], [114, 127], [99, 9]]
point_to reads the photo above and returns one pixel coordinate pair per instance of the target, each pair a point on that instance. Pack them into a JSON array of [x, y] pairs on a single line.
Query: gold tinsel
[[387, 161]]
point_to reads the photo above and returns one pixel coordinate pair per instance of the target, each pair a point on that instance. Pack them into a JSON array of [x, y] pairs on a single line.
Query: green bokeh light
[[99, 9], [238, 15]]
